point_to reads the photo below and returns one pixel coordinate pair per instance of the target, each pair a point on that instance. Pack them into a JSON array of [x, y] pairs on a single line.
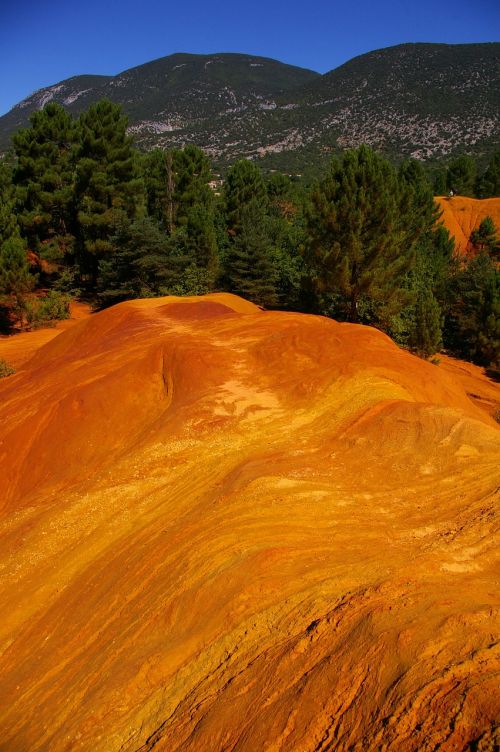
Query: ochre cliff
[[462, 215], [229, 529]]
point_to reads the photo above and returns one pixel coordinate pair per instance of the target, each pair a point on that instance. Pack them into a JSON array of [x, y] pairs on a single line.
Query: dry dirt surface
[[228, 529], [17, 349], [462, 215]]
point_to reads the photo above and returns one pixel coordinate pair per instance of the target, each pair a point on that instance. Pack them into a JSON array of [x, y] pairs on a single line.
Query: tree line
[[364, 244]]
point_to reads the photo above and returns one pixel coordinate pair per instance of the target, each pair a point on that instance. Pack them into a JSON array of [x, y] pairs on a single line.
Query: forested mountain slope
[[428, 101]]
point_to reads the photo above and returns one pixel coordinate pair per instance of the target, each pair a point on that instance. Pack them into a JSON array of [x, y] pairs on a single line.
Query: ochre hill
[[229, 529], [462, 215], [16, 349]]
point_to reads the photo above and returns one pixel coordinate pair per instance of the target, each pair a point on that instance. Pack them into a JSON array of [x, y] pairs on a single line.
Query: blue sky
[[45, 41]]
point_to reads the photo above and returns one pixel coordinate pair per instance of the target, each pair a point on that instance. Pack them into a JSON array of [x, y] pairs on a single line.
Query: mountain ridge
[[422, 100]]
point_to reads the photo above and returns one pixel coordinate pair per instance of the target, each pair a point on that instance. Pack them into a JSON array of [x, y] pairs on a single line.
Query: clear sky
[[45, 41]]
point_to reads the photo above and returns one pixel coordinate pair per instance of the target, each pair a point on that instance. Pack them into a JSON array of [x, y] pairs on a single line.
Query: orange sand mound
[[462, 215], [228, 529], [16, 349]]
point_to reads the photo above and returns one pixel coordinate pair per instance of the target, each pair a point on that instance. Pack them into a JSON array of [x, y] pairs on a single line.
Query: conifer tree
[[485, 238], [15, 277], [248, 269], [426, 337], [364, 223], [109, 189], [489, 183], [472, 327], [44, 181], [244, 184], [8, 217], [145, 263], [180, 198], [461, 176]]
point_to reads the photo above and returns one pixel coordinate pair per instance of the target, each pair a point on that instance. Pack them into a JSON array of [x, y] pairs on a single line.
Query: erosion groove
[[229, 529]]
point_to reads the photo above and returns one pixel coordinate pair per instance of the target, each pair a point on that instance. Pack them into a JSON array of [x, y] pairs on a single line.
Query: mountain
[[232, 529], [427, 101]]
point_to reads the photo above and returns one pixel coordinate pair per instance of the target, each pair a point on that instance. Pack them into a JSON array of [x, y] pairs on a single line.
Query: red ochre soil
[[462, 215], [228, 529], [16, 349]]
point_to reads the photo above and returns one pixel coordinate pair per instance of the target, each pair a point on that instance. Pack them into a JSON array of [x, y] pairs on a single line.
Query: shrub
[[54, 306], [6, 369]]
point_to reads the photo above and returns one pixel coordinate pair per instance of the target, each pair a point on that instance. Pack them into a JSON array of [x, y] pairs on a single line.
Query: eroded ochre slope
[[228, 529], [462, 215]]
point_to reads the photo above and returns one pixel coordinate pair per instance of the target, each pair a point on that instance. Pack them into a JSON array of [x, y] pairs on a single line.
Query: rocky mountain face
[[427, 101]]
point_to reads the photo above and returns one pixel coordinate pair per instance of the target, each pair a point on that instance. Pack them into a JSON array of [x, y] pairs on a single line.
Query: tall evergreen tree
[[109, 189], [472, 328], [489, 183], [286, 230], [426, 336], [249, 270], [180, 198], [364, 223], [461, 176], [15, 277], [8, 217], [485, 238], [244, 185], [145, 264], [44, 181]]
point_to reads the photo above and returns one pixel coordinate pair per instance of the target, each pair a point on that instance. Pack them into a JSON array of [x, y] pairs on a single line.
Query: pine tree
[[249, 270], [427, 335], [109, 189], [472, 326], [8, 217], [285, 227], [180, 198], [461, 176], [15, 277], [485, 238], [43, 178], [489, 183], [364, 224], [145, 264], [244, 185]]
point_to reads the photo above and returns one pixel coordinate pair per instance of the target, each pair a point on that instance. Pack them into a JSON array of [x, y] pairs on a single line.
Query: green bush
[[54, 306], [6, 369]]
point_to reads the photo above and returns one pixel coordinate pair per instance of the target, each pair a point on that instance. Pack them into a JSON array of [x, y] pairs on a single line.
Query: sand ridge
[[224, 528], [461, 215]]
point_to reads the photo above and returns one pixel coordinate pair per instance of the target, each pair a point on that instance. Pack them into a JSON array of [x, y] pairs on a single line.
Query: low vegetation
[[362, 244], [6, 369]]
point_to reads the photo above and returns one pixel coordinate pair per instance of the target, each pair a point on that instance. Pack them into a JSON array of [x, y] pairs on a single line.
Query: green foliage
[[427, 335], [489, 183], [363, 225], [244, 185], [472, 328], [6, 369], [146, 263], [43, 180], [108, 187], [53, 306], [485, 238], [249, 269], [15, 277], [181, 201], [8, 218], [461, 176]]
